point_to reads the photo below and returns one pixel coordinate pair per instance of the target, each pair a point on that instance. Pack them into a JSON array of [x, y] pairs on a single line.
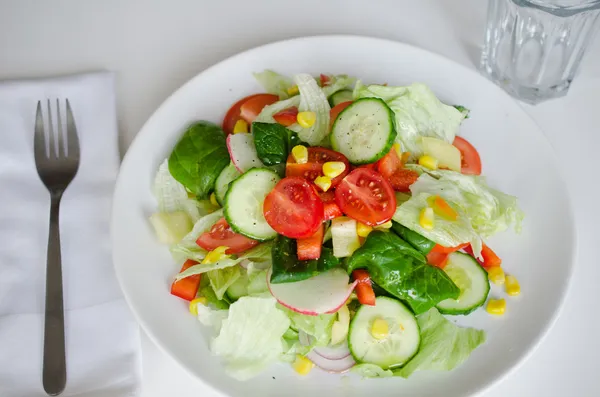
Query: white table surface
[[155, 46]]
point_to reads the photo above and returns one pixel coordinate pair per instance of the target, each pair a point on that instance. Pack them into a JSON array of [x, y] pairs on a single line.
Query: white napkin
[[102, 339]]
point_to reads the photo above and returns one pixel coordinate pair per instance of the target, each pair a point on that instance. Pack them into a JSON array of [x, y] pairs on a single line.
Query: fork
[[56, 166]]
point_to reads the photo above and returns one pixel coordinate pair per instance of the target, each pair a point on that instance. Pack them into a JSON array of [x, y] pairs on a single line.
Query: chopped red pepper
[[186, 288], [364, 289]]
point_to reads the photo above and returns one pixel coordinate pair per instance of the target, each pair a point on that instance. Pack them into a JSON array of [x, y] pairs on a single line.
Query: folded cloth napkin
[[102, 339]]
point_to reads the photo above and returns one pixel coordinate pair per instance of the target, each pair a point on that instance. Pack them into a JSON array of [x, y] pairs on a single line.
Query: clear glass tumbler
[[533, 48]]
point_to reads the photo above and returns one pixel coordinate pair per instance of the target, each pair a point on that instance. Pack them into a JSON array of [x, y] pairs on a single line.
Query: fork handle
[[54, 368]]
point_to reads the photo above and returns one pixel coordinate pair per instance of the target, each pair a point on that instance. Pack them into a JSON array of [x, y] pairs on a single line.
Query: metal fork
[[56, 166]]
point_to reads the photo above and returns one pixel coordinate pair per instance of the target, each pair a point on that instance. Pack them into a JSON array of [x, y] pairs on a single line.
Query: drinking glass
[[533, 48]]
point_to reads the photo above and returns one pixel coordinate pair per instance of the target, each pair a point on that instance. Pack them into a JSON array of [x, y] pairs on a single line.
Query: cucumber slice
[[401, 343], [243, 206], [341, 96], [228, 175], [471, 279], [364, 132]]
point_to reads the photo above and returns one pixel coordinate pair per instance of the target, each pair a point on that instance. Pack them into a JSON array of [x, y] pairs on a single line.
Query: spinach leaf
[[420, 243], [273, 142], [287, 268], [402, 271], [199, 157]]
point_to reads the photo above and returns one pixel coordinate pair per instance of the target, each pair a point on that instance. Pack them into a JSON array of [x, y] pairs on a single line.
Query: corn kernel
[[496, 306], [306, 119], [215, 255], [428, 162], [512, 286], [386, 225], [496, 275], [300, 154], [380, 329], [426, 218], [398, 149], [194, 304], [293, 90], [241, 126], [213, 200], [363, 230], [324, 182], [302, 365], [333, 168]]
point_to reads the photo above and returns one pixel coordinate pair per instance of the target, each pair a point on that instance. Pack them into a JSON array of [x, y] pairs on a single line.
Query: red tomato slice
[[234, 112], [317, 156], [220, 234], [336, 110], [186, 288], [364, 289], [392, 169], [470, 160], [293, 208], [287, 117], [366, 196], [253, 106], [325, 80], [438, 259], [310, 247], [490, 258]]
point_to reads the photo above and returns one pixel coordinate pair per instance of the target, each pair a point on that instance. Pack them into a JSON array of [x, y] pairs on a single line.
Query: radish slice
[[334, 366], [305, 339], [338, 352], [243, 152], [324, 293]]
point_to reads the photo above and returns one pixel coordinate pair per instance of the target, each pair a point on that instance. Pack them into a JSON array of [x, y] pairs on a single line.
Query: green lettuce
[[251, 337], [319, 327], [418, 113], [312, 99], [274, 83], [221, 279], [444, 345], [371, 371], [187, 247]]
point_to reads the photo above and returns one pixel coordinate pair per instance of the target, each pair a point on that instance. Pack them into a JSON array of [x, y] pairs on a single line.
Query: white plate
[[516, 158]]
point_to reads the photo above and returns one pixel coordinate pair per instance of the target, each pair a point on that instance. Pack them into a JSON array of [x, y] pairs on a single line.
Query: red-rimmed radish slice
[[333, 366], [324, 293], [243, 152], [337, 352]]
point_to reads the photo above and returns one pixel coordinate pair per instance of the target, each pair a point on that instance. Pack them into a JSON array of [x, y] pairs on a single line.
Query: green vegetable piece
[[420, 243], [465, 111], [287, 268], [402, 271], [273, 142], [199, 157]]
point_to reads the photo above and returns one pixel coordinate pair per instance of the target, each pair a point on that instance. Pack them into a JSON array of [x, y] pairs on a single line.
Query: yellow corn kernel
[[333, 168], [363, 230], [496, 306], [293, 90], [241, 126], [324, 182], [398, 149], [426, 218], [213, 200], [215, 255], [306, 119], [302, 365], [380, 329], [194, 304], [300, 154], [496, 275], [386, 225], [512, 286], [428, 162]]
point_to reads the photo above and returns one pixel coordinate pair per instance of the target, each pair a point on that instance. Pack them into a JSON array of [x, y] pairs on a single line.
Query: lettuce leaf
[[444, 345], [317, 326], [371, 371], [251, 337], [312, 99], [221, 279], [187, 247], [418, 113], [274, 83], [338, 83]]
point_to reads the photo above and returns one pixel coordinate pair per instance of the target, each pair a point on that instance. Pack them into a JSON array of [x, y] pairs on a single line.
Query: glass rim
[[560, 7]]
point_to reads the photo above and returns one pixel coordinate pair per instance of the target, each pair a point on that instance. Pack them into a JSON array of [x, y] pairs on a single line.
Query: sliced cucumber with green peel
[[364, 132], [243, 207], [388, 351], [471, 279], [339, 97], [228, 175]]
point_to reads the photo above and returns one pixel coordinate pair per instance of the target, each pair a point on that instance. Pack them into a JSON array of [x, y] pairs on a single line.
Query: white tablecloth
[[155, 46]]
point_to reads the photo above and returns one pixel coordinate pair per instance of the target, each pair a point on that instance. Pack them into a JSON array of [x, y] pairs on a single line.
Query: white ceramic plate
[[516, 158]]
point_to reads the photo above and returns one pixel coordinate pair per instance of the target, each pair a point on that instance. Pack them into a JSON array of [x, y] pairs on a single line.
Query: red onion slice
[[333, 366]]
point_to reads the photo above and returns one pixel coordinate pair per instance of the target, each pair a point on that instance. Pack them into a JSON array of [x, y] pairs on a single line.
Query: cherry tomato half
[[293, 208], [317, 156], [220, 234], [257, 103], [470, 160], [366, 196], [392, 169]]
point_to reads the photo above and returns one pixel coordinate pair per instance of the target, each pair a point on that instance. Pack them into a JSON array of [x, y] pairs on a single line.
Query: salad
[[335, 224]]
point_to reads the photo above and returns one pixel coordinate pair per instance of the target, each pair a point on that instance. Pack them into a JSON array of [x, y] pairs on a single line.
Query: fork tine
[[39, 139], [72, 139], [51, 141], [59, 126]]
